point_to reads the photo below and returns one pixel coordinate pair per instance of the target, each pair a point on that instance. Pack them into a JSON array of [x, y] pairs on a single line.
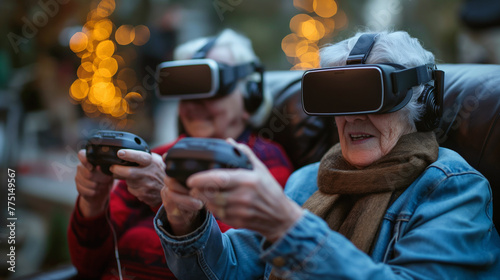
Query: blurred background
[[71, 67]]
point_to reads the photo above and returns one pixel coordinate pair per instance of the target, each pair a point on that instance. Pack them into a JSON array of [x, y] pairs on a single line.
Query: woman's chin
[[362, 159], [201, 131]]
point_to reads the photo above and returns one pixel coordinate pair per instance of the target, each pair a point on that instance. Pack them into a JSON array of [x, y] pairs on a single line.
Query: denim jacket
[[439, 228]]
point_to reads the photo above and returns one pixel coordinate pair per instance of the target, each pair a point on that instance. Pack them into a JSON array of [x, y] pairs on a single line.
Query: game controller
[[191, 155], [103, 146]]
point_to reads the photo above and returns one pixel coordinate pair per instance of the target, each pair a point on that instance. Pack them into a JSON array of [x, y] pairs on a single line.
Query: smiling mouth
[[357, 137]]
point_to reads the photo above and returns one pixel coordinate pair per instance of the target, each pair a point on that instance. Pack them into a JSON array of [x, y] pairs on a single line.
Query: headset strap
[[202, 52], [361, 49], [403, 80], [229, 74]]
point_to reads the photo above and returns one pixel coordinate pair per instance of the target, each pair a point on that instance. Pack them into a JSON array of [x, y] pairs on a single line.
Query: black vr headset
[[200, 77], [359, 88]]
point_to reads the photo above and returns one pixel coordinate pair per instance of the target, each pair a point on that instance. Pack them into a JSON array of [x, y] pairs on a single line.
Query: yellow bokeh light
[[111, 105], [120, 110], [325, 8], [97, 88], [79, 89], [306, 5], [89, 107], [302, 66], [83, 74], [125, 34], [88, 27], [91, 46], [78, 42], [133, 97], [301, 48], [103, 29], [105, 8], [105, 49], [297, 21], [311, 57], [328, 23], [141, 35], [98, 78], [88, 66], [101, 93], [313, 30], [108, 67], [289, 43], [134, 100]]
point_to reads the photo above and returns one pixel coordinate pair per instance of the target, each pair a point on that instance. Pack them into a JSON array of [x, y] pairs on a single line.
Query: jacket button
[[279, 261]]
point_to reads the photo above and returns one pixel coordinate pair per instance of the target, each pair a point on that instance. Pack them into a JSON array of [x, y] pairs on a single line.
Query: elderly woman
[[384, 203], [111, 221]]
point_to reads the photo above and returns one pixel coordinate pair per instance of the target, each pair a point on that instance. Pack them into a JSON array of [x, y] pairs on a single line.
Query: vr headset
[[359, 88], [200, 77]]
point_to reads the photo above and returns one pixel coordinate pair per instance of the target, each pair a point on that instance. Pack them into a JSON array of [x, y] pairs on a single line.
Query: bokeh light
[[289, 43], [125, 34], [105, 49], [104, 77], [305, 5], [79, 89], [317, 21], [108, 67], [142, 35], [103, 29], [325, 8], [78, 42]]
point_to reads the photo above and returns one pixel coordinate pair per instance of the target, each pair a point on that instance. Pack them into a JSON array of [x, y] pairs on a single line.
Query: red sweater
[[141, 256]]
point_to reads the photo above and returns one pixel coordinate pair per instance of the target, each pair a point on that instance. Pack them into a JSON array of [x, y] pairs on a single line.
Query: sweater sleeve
[[90, 243], [275, 159], [90, 240]]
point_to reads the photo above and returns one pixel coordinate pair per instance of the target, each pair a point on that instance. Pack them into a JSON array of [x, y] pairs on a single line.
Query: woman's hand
[[93, 187], [243, 198], [183, 211], [144, 181]]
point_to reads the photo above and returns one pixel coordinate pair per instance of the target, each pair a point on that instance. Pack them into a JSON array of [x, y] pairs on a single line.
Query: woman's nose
[[352, 118]]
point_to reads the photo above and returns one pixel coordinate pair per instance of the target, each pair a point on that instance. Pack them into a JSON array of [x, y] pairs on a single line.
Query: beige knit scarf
[[353, 201]]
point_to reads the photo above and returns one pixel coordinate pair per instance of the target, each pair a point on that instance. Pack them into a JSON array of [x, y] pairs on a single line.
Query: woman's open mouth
[[358, 137]]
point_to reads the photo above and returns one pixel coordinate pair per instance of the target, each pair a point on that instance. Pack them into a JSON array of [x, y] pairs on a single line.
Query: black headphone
[[432, 98], [254, 90]]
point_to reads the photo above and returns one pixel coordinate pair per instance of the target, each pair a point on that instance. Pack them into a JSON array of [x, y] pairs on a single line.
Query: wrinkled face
[[220, 117], [366, 138]]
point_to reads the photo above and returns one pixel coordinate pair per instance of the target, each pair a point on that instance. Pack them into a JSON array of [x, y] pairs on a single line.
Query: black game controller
[[191, 155], [103, 146]]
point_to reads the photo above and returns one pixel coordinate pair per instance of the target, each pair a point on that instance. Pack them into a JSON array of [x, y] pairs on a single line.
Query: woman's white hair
[[240, 48], [390, 47]]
